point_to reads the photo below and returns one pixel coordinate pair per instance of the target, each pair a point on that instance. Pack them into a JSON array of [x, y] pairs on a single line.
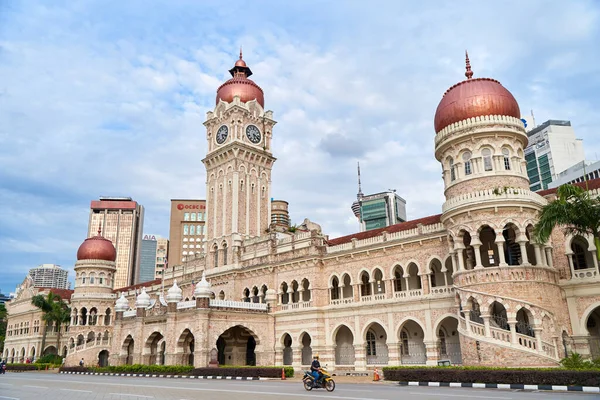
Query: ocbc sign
[[190, 207]]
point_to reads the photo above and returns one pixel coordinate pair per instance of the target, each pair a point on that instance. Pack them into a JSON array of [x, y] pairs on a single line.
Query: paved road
[[28, 386]]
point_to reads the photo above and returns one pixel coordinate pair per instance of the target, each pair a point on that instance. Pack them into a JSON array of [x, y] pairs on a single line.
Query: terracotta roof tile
[[402, 226], [591, 185], [65, 294], [139, 285]]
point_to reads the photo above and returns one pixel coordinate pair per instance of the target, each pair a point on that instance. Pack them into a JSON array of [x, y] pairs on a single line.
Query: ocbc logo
[[190, 207]]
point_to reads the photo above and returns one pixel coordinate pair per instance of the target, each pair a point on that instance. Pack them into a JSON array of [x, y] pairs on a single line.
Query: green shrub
[[244, 371], [527, 376], [49, 359], [576, 361]]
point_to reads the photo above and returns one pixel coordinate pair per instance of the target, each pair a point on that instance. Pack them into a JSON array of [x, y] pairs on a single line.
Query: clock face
[[222, 134], [253, 134]]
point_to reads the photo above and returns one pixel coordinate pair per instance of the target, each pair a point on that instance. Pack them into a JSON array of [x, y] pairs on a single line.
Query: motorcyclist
[[315, 369], [2, 367]]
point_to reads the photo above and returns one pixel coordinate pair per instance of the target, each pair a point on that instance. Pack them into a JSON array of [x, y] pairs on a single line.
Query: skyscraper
[[153, 257], [187, 230], [121, 220], [49, 276], [552, 149]]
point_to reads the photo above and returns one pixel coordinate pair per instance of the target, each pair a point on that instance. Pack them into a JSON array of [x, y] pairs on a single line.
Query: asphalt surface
[[26, 386]]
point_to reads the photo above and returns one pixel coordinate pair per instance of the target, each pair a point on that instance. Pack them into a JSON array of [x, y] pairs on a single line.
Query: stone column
[[393, 353], [360, 354], [549, 259], [524, 258], [444, 272], [453, 260], [543, 253], [512, 324], [538, 255], [406, 281], [486, 324], [432, 353], [500, 243], [476, 247], [571, 266], [538, 339], [425, 282], [459, 247], [389, 288]]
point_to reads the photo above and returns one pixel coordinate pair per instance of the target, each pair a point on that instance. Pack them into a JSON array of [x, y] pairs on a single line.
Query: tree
[[56, 312], [3, 316], [575, 210]]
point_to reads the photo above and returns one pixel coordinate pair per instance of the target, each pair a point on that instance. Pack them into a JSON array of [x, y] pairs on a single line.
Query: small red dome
[[240, 85], [474, 98], [97, 248]]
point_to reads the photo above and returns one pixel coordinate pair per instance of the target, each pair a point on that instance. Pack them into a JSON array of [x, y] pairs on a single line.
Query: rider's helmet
[[316, 357]]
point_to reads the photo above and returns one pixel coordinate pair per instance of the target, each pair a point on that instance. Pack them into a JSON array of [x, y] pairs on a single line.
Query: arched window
[[371, 349], [404, 343], [452, 172], [506, 155], [216, 253], [487, 159], [224, 253], [83, 276], [467, 160]]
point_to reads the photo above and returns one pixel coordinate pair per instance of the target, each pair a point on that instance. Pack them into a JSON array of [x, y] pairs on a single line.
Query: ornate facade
[[469, 285]]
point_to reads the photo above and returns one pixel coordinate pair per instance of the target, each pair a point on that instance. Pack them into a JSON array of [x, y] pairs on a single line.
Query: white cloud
[[110, 100]]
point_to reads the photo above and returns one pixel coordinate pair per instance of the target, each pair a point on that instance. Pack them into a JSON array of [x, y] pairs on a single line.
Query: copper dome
[[240, 85], [97, 248], [474, 98]]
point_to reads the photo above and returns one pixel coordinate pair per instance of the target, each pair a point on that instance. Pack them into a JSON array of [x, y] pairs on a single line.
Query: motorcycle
[[3, 369], [325, 382]]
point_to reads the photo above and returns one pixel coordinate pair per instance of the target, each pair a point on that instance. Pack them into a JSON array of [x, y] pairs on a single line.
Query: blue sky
[[108, 98]]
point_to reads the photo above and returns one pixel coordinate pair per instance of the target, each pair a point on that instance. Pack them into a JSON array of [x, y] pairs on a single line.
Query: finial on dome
[[240, 52], [469, 73]]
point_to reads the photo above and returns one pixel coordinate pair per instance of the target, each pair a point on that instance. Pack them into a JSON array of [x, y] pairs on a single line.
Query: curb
[[235, 378], [565, 388]]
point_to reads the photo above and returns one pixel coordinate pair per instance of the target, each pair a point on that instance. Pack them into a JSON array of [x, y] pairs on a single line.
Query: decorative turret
[[203, 292], [142, 300], [122, 304], [174, 296]]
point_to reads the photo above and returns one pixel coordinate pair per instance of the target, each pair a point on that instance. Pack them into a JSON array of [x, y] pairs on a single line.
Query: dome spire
[[469, 73], [240, 52]]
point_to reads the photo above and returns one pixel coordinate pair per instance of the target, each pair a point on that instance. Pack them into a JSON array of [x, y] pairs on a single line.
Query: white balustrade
[[493, 195], [346, 300], [239, 305], [588, 273], [186, 304]]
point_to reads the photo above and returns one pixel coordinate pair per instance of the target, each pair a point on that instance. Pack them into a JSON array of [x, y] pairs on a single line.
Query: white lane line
[[284, 394], [39, 387], [6, 384], [460, 395], [77, 390], [133, 395], [9, 398]]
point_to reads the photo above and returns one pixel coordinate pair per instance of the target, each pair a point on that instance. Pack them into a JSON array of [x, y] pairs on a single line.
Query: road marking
[[285, 394], [134, 395], [77, 390], [9, 398], [460, 395], [39, 387], [6, 384]]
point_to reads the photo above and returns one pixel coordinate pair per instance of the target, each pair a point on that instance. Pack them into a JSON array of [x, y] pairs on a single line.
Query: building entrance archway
[[103, 358], [236, 346], [344, 346], [186, 346]]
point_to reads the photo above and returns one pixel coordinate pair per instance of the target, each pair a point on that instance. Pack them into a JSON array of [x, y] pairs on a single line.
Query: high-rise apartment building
[[187, 230], [153, 257], [121, 220], [49, 276], [552, 149]]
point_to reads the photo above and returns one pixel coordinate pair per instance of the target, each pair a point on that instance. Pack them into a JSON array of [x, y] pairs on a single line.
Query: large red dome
[[240, 85], [474, 98], [97, 248]]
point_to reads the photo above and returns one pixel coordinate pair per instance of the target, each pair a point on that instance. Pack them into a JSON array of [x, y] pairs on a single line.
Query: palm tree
[[575, 210], [56, 311]]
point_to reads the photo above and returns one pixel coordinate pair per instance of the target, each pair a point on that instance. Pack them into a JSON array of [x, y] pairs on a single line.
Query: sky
[[107, 98]]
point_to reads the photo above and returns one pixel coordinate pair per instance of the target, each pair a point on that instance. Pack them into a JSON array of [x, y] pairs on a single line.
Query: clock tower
[[238, 167]]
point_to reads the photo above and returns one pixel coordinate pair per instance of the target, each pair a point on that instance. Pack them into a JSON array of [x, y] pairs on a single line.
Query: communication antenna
[[360, 193]]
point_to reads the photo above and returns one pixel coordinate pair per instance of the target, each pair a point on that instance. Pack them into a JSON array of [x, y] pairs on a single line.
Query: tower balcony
[[504, 195]]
